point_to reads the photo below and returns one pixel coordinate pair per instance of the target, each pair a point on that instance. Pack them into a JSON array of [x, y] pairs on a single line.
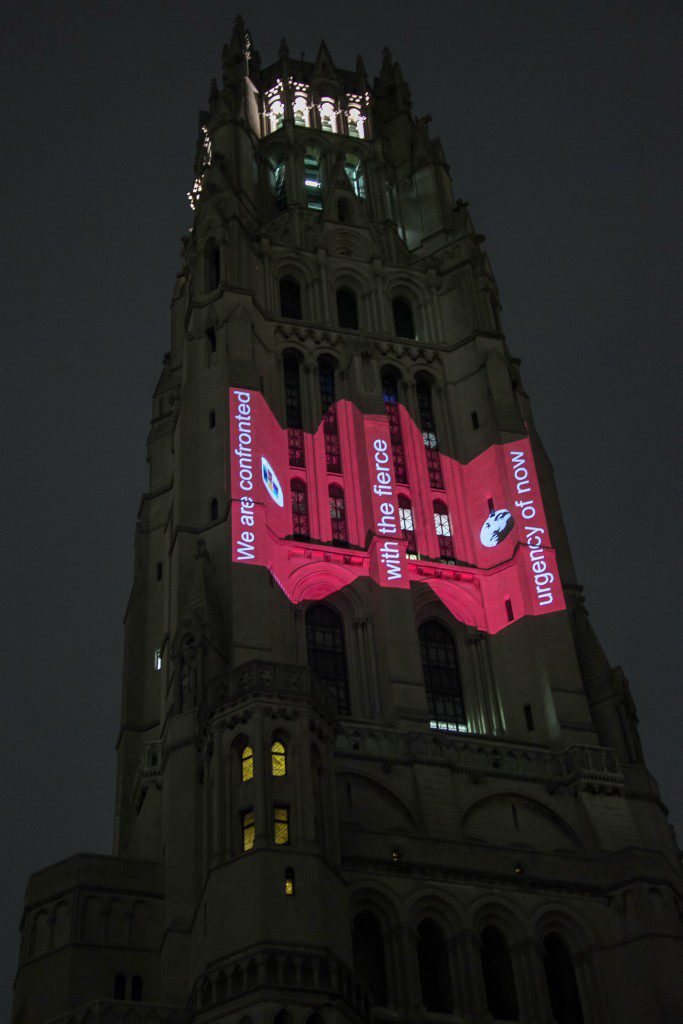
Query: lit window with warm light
[[247, 764], [289, 881], [278, 756], [248, 829], [328, 115], [281, 826]]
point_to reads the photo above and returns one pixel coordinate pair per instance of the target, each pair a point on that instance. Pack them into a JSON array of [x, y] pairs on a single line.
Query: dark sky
[[561, 122]]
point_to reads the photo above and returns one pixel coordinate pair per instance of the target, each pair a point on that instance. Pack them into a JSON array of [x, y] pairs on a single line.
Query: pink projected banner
[[505, 566]]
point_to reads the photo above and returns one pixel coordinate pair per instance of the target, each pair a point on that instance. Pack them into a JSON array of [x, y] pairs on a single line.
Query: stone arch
[[438, 905], [378, 799], [487, 815]]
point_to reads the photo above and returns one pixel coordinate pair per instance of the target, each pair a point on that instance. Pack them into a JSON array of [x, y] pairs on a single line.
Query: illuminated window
[[295, 434], [432, 961], [213, 509], [326, 652], [330, 432], [212, 266], [405, 516], [278, 757], [404, 326], [328, 115], [391, 408], [299, 509], [278, 178], [289, 881], [428, 428], [300, 108], [369, 959], [356, 175], [356, 122], [499, 979], [281, 826], [347, 308], [157, 660], [276, 109], [445, 701], [290, 298], [313, 182], [565, 1000], [442, 525], [248, 829], [136, 988], [247, 764], [338, 515]]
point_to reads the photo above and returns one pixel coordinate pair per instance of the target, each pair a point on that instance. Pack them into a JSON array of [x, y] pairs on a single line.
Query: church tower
[[373, 765]]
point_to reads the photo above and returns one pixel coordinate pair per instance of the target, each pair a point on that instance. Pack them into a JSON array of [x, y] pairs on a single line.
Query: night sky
[[561, 123]]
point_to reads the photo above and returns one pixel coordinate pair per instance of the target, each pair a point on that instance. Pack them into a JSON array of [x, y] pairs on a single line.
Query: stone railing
[[111, 1011], [269, 680], [282, 971]]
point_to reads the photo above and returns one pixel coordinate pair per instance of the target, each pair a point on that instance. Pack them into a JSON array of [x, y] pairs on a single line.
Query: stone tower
[[373, 763]]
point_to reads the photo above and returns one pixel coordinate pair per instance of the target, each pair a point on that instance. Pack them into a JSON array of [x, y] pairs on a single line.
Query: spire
[[391, 94], [239, 54], [283, 52], [324, 65]]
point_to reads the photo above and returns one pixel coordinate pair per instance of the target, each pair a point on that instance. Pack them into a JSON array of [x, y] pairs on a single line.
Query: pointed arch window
[[247, 759], [404, 325], [293, 413], [278, 179], [563, 990], [278, 759], [356, 121], [300, 108], [347, 308], [369, 958], [429, 437], [445, 701], [212, 265], [432, 960], [290, 298], [340, 533], [327, 653], [328, 115], [313, 181], [356, 175], [300, 526], [442, 525], [329, 410], [405, 517], [499, 979], [392, 409]]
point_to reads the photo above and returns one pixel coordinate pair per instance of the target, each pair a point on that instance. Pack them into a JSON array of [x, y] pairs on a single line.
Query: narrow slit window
[[281, 826], [529, 718], [442, 525], [489, 502], [213, 509], [289, 882], [300, 527], [212, 419], [329, 410], [338, 515], [160, 570], [211, 338], [509, 610], [248, 829], [475, 420], [429, 435]]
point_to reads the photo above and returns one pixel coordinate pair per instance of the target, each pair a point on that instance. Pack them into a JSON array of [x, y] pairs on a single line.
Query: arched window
[[499, 979], [248, 829], [313, 181], [295, 434], [278, 758], [329, 410], [432, 961], [276, 110], [278, 180], [369, 962], [290, 882], [347, 308], [326, 652], [391, 408], [356, 122], [404, 326], [213, 510], [442, 525], [428, 428], [442, 678], [290, 298], [136, 988], [300, 109], [299, 509], [247, 764], [120, 986], [340, 533], [355, 174], [212, 266], [565, 1000], [405, 516], [328, 115]]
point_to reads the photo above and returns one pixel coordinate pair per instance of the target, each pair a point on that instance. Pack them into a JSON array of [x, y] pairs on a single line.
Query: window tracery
[[328, 114], [442, 525], [445, 701]]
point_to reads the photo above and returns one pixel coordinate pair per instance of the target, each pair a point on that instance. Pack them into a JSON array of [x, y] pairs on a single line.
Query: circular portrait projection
[[271, 481], [496, 528]]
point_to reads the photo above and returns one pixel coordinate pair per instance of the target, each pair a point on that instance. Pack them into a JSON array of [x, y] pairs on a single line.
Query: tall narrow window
[[347, 308], [404, 326], [329, 409], [326, 652], [278, 178], [442, 525], [281, 826], [313, 182], [300, 526], [300, 110], [136, 988], [432, 961], [369, 960], [247, 764], [405, 516], [565, 1000], [212, 266], [340, 533], [356, 122], [211, 338], [212, 419], [278, 758], [290, 298], [248, 829], [499, 980], [213, 509], [328, 115], [295, 434], [428, 427], [445, 701], [355, 174], [391, 408], [290, 882]]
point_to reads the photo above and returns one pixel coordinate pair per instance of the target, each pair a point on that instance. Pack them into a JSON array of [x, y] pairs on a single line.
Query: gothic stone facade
[[517, 867]]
